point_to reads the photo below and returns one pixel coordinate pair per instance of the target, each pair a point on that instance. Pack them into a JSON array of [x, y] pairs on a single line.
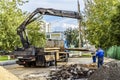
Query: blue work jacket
[[100, 53]]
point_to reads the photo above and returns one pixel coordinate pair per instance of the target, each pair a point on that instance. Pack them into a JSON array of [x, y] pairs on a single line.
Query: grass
[[3, 58], [86, 55]]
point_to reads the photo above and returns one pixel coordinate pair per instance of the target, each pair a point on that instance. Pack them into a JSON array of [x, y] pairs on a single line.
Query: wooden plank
[[77, 49], [71, 49], [54, 48]]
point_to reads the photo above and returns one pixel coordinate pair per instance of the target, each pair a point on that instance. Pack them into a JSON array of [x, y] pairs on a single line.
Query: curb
[[9, 62]]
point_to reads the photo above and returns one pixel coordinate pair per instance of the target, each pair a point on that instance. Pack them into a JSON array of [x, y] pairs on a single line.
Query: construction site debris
[[109, 71], [71, 72], [6, 75]]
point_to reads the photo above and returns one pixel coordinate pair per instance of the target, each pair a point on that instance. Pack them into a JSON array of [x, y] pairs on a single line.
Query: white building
[[55, 35]]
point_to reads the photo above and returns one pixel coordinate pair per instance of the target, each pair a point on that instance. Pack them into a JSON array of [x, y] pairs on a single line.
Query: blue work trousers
[[100, 61], [94, 59]]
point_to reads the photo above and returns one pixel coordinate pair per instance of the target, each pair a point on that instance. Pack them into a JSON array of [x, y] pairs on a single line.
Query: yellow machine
[[58, 47]]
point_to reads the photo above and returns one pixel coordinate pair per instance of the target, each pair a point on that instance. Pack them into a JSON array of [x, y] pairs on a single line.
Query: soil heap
[[6, 75], [109, 71]]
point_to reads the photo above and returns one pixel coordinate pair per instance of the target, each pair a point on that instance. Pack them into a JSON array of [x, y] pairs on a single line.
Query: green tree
[[72, 36], [11, 16], [98, 14], [115, 27], [35, 34]]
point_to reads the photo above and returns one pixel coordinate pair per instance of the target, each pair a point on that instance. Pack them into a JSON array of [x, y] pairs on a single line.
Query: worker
[[100, 56], [93, 57]]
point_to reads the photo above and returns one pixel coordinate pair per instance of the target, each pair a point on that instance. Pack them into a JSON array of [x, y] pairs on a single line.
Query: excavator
[[30, 55]]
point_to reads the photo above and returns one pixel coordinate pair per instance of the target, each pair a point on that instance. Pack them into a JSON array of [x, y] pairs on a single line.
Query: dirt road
[[24, 73]]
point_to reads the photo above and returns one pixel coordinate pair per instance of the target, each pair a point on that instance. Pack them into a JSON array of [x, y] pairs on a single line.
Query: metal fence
[[113, 52]]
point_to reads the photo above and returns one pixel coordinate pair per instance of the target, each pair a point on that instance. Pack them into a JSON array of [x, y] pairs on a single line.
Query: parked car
[[3, 52]]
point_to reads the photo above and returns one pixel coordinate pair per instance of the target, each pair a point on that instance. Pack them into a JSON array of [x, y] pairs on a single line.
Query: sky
[[57, 23]]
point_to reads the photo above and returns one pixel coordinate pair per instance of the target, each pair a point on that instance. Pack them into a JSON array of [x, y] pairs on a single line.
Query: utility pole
[[79, 25]]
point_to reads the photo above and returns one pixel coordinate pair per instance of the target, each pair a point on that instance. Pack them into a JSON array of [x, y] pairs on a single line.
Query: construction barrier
[[113, 52]]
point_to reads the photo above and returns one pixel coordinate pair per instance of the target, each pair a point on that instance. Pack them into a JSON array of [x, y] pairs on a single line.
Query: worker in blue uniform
[[100, 56], [94, 57]]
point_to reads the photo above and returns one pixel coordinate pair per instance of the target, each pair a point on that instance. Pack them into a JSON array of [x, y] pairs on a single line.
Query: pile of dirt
[[109, 71], [6, 75], [70, 72]]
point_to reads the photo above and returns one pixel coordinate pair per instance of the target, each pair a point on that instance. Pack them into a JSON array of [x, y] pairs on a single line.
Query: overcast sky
[[59, 22]]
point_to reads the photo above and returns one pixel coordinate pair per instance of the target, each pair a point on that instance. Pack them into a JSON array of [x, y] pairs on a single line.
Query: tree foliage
[[98, 23], [115, 27], [11, 16], [72, 36], [35, 34]]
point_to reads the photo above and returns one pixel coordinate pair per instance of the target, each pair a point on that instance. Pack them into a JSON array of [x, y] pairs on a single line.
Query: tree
[[10, 18], [115, 27], [98, 14], [35, 35], [72, 36]]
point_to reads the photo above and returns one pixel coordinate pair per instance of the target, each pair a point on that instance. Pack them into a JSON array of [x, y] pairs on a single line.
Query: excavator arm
[[43, 11]]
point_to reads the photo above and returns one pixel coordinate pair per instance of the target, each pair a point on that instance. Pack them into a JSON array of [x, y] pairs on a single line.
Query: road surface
[[40, 73]]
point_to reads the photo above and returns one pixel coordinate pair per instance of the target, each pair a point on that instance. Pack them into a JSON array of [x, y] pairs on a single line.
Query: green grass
[[3, 58], [86, 55]]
